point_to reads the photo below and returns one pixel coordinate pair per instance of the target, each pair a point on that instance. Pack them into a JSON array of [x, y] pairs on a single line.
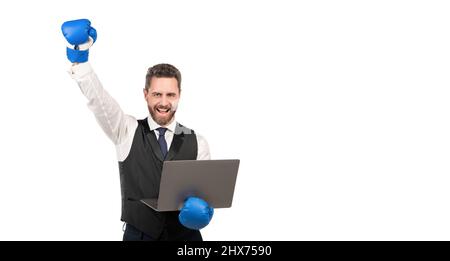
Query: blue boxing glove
[[196, 213], [81, 36]]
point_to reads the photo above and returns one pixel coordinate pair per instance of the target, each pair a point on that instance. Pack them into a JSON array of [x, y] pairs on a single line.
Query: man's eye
[[156, 94]]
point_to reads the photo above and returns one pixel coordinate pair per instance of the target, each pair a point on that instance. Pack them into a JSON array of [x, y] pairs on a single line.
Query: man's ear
[[145, 93]]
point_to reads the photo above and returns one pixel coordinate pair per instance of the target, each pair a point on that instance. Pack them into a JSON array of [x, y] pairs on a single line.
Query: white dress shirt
[[117, 125]]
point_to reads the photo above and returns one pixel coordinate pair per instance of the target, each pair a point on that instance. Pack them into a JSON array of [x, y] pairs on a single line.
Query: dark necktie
[[162, 141]]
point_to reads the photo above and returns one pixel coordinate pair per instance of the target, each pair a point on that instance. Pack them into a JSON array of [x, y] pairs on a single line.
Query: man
[[142, 145]]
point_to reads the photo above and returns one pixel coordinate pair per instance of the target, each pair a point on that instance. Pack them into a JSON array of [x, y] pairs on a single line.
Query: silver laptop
[[211, 180]]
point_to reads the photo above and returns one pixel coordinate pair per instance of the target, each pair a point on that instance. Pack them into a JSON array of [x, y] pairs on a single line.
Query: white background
[[338, 111]]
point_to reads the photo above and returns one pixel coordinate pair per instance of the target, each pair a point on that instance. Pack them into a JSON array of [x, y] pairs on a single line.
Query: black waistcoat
[[140, 175]]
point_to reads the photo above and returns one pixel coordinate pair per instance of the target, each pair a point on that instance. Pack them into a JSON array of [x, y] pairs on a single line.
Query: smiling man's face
[[162, 99]]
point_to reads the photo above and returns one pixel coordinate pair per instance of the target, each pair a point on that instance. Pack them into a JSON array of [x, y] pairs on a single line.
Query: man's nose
[[164, 101]]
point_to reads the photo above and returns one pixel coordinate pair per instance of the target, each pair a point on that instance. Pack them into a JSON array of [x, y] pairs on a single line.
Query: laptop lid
[[212, 180]]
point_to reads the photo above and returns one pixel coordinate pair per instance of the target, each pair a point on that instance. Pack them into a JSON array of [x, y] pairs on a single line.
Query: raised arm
[[80, 35]]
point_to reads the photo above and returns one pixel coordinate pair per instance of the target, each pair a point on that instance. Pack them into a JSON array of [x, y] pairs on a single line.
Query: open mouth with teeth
[[162, 111]]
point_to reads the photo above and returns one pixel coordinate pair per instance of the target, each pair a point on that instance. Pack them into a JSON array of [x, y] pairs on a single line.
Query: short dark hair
[[162, 70]]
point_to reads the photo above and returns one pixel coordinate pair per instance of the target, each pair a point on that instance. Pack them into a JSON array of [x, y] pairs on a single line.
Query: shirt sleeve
[[117, 125], [202, 148]]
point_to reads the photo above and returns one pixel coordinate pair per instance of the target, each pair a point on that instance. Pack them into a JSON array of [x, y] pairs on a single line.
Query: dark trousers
[[133, 234]]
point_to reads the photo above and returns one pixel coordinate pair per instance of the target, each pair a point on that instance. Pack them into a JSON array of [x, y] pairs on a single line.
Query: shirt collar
[[153, 125]]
